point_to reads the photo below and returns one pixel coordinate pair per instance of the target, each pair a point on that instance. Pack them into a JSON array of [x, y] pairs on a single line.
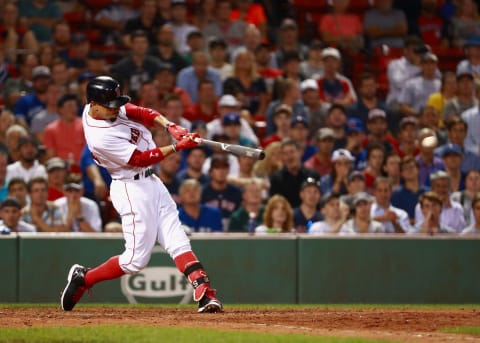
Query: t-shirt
[[209, 220], [341, 25], [67, 140], [390, 20]]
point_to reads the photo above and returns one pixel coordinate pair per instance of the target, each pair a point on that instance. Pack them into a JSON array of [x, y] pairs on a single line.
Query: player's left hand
[[188, 141], [176, 131]]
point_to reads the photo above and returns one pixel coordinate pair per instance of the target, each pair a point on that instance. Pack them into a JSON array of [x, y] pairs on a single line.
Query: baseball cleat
[[209, 303], [75, 287]]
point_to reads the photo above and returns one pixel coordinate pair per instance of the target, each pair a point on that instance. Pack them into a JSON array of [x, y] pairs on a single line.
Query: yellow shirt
[[437, 101]]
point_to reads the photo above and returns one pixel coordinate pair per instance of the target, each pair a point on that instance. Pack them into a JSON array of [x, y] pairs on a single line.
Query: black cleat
[[75, 287], [209, 303]]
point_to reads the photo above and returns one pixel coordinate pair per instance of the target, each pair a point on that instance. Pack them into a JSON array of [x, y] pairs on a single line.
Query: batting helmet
[[105, 91]]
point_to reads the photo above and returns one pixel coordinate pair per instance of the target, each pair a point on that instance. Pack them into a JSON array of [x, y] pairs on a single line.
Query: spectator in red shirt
[[56, 172], [431, 25], [206, 108], [252, 14], [282, 118]]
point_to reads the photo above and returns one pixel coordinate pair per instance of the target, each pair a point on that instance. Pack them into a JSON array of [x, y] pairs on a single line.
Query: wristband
[[174, 147]]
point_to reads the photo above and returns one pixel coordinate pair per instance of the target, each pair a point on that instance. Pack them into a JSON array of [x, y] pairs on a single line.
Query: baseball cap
[[310, 181], [408, 121], [376, 113], [452, 149], [429, 57], [11, 202], [299, 120], [439, 174], [361, 196], [288, 23], [41, 71], [55, 163], [228, 100], [331, 52], [219, 160], [342, 154], [308, 84], [356, 174], [325, 132], [231, 118], [354, 125], [464, 71]]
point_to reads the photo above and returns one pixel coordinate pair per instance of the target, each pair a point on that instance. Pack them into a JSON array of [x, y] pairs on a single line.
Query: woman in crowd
[[278, 216]]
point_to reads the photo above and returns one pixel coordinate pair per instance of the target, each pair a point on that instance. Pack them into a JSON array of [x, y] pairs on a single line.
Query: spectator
[[138, 67], [195, 158], [195, 42], [14, 34], [23, 84], [12, 140], [391, 169], [165, 49], [218, 192], [427, 161], [336, 181], [174, 111], [333, 87], [205, 109], [287, 182], [355, 184], [447, 96], [76, 61], [282, 119], [271, 163], [355, 135], [148, 20], [79, 213], [217, 48], [407, 137], [95, 179], [180, 25], [3, 174], [64, 137], [472, 52], [465, 197], [431, 25], [27, 167], [60, 74], [407, 195], [31, 104], [46, 54], [393, 219], [6, 121], [47, 115], [307, 213], [452, 159], [246, 85], [378, 130], [10, 212], [402, 69], [362, 222], [312, 66], [290, 71], [472, 119], [252, 40], [452, 212], [431, 223], [17, 188], [44, 215], [466, 22], [39, 16], [277, 217], [337, 121], [299, 133], [264, 69], [315, 109], [189, 78], [56, 174], [428, 119], [321, 162], [114, 19], [464, 97], [457, 132], [195, 215], [252, 14], [252, 208], [385, 25], [474, 227], [149, 96], [375, 159], [165, 82], [368, 100], [232, 127], [288, 42], [417, 90], [333, 216]]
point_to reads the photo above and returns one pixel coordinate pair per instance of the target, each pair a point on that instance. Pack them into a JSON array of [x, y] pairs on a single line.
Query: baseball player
[[118, 136]]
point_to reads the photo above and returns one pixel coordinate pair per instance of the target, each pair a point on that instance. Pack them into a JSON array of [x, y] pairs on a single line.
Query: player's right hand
[[187, 141], [176, 131]]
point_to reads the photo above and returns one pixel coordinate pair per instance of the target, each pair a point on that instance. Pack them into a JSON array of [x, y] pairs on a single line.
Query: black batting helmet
[[105, 90]]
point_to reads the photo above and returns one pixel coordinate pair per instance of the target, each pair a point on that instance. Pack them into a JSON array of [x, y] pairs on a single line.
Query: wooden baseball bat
[[238, 150]]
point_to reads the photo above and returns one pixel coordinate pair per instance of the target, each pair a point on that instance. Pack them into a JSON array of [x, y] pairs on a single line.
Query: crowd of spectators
[[340, 156]]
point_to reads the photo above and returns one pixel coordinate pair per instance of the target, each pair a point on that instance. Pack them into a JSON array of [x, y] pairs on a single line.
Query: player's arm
[[151, 118]]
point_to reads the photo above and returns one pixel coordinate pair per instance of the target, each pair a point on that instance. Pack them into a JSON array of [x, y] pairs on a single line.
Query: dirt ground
[[401, 325]]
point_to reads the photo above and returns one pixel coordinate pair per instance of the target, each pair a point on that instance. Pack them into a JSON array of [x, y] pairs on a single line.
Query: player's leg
[[129, 201], [173, 238]]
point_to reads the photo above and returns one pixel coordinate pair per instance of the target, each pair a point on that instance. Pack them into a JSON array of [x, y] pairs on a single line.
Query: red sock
[[184, 260], [106, 271]]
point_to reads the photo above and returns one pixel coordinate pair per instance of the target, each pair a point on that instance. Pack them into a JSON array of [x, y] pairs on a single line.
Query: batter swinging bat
[[238, 150]]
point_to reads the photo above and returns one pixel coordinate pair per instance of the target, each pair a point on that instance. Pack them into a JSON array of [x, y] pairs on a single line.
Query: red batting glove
[[186, 142], [176, 131]]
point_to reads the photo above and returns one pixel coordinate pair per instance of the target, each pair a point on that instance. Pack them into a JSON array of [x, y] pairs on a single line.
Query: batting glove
[[186, 142], [176, 131]]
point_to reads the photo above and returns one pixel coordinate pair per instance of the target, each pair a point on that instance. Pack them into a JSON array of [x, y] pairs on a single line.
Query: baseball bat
[[238, 150]]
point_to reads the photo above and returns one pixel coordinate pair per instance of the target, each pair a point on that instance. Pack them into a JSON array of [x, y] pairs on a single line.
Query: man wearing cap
[[80, 214], [333, 216], [416, 91], [362, 222], [27, 167], [288, 42], [378, 130], [315, 109], [355, 184], [31, 104], [282, 119], [307, 212], [232, 127], [10, 212], [393, 219], [355, 135], [465, 96], [288, 180], [48, 114], [164, 48], [472, 52], [321, 161], [299, 133], [452, 156], [333, 87], [195, 159], [451, 212], [336, 181], [57, 172]]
